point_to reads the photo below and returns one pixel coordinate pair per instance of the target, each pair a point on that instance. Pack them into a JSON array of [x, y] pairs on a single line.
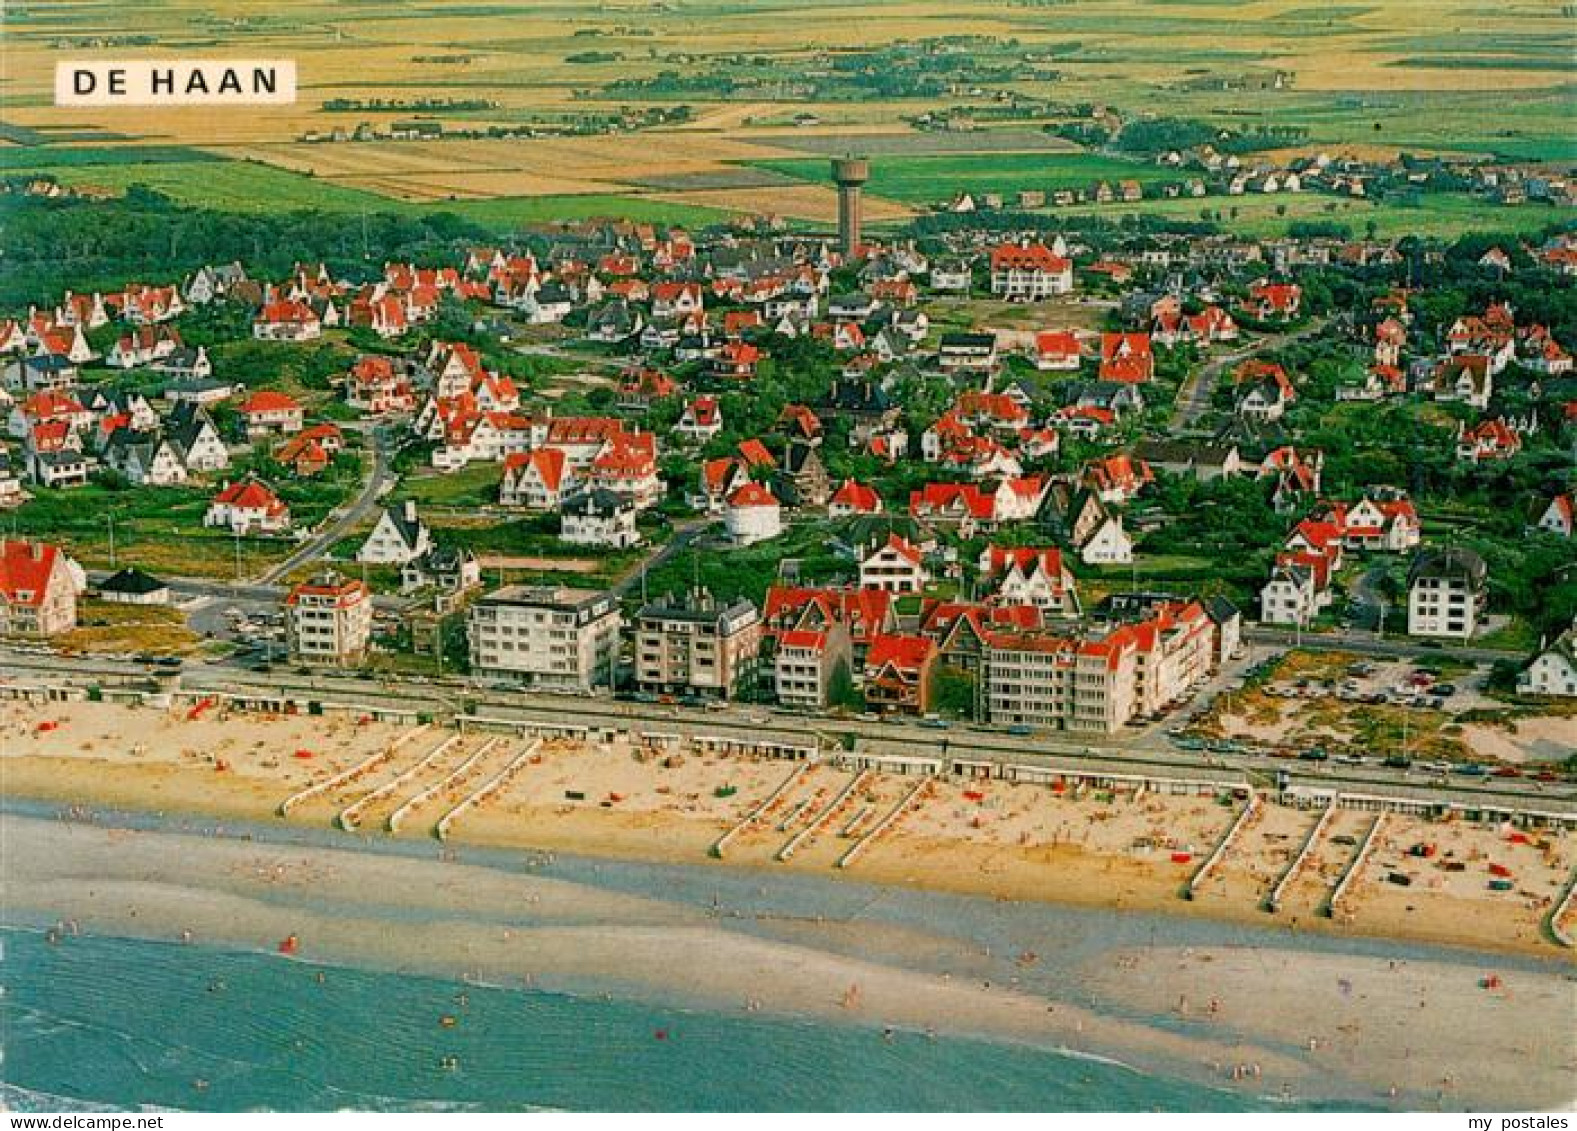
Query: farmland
[[931, 179], [754, 99]]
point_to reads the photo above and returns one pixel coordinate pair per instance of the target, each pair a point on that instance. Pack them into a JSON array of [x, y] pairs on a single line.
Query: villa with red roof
[[1029, 575], [854, 498], [1559, 517], [376, 387], [752, 514], [537, 480], [1117, 479], [1489, 440], [701, 420], [1273, 302], [270, 413], [38, 589], [287, 320], [248, 506], [894, 566], [1127, 357], [1058, 351]]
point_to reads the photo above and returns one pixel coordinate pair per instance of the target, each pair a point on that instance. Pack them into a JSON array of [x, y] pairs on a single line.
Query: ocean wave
[[29, 1101]]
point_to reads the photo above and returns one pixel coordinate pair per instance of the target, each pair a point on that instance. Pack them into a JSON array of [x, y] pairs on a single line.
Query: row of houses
[[815, 648]]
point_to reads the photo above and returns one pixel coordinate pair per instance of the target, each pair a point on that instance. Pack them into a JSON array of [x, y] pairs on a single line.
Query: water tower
[[850, 175]]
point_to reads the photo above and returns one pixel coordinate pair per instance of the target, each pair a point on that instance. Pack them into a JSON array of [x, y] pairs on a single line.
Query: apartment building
[[806, 665], [1446, 593], [1054, 682], [1176, 650], [546, 636], [328, 621], [696, 645]]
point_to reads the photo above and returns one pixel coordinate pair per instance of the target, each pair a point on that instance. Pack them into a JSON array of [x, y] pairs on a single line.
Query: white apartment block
[[566, 639], [328, 621], [1054, 683], [1445, 594]]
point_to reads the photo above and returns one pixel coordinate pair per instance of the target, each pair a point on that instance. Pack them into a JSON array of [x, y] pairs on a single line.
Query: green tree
[[953, 691]]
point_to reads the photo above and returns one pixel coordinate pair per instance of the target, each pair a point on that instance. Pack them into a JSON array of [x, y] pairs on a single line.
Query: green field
[[243, 186], [1438, 214]]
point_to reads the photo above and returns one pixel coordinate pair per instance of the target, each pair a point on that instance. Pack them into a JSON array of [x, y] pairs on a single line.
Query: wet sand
[[458, 920]]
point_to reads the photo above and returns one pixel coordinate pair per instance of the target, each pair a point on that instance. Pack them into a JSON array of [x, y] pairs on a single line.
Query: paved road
[[1366, 604], [685, 533], [380, 478], [1195, 395], [1120, 753], [1368, 644]]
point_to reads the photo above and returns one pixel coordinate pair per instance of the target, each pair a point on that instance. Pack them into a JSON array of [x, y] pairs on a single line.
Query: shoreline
[[385, 911]]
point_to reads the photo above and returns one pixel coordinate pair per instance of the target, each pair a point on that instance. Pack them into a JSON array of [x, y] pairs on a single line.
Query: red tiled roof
[[1034, 257], [250, 494], [25, 568], [906, 653], [349, 591], [858, 497], [267, 400], [753, 495]]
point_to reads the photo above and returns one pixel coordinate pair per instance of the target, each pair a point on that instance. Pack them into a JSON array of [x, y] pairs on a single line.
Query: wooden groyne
[[1558, 913], [484, 793], [1273, 900], [1333, 905], [860, 816], [760, 811], [367, 765], [454, 776], [1220, 852], [881, 826], [350, 817], [821, 818]]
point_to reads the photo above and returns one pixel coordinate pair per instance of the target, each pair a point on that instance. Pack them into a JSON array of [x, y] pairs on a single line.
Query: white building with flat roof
[[545, 636]]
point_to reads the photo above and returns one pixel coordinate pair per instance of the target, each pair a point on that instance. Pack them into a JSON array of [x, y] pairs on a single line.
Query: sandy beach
[[482, 924], [1027, 842]]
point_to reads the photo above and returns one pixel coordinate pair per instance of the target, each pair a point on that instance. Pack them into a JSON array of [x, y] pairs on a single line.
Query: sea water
[[91, 1022]]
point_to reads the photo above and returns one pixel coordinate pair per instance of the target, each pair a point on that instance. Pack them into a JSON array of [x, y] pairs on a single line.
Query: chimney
[[37, 549], [410, 510]]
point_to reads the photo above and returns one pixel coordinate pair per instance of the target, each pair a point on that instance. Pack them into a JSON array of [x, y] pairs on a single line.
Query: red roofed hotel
[[1029, 272]]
